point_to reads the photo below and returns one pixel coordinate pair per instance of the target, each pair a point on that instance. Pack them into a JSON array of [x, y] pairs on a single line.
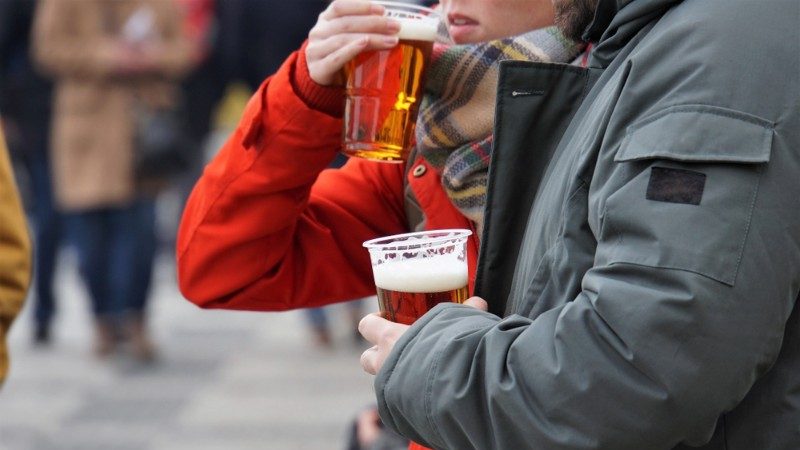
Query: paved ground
[[225, 380]]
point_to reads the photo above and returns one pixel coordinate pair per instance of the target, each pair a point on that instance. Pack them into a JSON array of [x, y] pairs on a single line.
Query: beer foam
[[417, 29], [421, 275]]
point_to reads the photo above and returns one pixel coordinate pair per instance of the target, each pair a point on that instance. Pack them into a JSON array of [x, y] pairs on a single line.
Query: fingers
[[333, 57], [345, 29], [370, 360], [330, 50], [383, 334], [354, 24], [478, 303], [374, 328], [341, 8]]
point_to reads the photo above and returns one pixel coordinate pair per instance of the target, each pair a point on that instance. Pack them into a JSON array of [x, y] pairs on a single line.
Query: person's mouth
[[461, 27]]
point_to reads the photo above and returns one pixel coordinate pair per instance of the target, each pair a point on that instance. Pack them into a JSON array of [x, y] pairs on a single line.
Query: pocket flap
[[698, 133]]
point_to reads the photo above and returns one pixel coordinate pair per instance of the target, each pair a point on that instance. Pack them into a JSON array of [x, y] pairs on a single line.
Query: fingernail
[[376, 9], [391, 40]]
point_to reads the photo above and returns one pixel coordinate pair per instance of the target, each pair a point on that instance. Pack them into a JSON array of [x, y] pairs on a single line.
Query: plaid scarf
[[454, 128]]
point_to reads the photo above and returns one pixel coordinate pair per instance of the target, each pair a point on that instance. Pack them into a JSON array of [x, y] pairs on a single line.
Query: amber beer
[[384, 89], [414, 272], [408, 289]]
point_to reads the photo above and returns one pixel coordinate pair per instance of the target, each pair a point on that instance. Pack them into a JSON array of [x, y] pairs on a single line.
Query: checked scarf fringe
[[454, 128]]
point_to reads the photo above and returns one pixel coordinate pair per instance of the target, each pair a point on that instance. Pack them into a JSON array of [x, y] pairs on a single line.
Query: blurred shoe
[[322, 337], [105, 340], [41, 335], [142, 347]]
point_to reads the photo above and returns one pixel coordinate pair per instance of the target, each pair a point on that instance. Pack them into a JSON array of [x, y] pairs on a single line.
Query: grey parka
[[642, 244]]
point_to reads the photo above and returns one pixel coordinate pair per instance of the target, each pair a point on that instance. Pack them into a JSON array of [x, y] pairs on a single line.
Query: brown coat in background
[[80, 44], [15, 254]]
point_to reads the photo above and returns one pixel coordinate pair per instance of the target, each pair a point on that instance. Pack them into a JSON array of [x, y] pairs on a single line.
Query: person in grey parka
[[641, 253]]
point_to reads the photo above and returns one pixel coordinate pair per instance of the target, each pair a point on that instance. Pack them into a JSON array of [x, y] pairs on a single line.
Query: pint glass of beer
[[416, 271], [385, 87]]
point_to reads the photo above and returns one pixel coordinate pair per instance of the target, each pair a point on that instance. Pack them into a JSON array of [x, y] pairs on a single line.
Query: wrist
[[326, 99]]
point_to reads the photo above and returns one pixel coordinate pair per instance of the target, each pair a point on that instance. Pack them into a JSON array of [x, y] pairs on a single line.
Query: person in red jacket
[[267, 228]]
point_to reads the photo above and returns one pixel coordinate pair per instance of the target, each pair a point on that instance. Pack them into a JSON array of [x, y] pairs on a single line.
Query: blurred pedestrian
[[15, 254], [108, 58], [25, 100], [209, 26], [270, 31], [238, 40]]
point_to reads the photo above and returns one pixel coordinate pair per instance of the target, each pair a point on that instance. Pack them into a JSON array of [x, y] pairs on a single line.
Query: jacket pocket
[[692, 176]]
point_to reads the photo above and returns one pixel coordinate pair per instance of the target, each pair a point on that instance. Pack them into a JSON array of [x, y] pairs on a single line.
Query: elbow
[[195, 287], [207, 284], [196, 281]]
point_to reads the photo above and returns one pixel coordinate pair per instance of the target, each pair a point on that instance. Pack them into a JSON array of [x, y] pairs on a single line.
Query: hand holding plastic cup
[[385, 87], [414, 272]]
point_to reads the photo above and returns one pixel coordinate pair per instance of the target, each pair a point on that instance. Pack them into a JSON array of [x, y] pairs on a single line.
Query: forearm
[[244, 210], [594, 373], [262, 223]]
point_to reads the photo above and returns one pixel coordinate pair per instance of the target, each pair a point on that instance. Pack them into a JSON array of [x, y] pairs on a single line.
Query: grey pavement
[[223, 380]]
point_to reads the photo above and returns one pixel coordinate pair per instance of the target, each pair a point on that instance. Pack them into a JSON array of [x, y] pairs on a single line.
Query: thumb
[[478, 303]]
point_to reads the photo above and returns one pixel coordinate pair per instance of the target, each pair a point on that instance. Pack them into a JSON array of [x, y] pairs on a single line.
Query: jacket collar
[[617, 21]]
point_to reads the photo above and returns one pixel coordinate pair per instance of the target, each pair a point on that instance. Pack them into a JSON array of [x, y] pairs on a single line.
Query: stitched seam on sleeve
[[427, 403], [747, 227], [389, 376], [704, 109]]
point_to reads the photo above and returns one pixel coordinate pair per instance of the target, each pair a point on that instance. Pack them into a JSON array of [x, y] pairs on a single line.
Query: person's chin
[[465, 34]]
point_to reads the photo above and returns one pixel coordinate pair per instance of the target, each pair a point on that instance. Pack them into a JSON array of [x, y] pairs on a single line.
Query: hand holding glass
[[385, 87]]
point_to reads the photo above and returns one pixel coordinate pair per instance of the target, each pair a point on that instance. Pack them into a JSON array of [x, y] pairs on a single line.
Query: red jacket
[[268, 228]]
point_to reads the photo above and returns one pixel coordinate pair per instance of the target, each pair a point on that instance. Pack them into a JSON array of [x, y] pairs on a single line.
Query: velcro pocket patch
[[690, 176], [675, 185]]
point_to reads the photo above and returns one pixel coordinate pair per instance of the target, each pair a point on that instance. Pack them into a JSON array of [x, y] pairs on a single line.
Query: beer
[[384, 89], [407, 289]]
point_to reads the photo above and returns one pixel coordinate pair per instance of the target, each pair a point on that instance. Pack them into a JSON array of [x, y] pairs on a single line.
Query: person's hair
[[574, 16]]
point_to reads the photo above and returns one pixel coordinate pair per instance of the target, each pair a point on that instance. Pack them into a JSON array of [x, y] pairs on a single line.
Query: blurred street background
[[223, 380]]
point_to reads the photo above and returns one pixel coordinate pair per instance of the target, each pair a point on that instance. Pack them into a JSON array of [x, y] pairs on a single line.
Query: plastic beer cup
[[414, 272]]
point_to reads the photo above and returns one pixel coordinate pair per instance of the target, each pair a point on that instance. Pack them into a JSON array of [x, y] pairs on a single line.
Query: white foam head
[[421, 275], [418, 29]]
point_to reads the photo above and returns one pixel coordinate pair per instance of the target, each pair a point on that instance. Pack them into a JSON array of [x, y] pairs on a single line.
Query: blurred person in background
[[25, 101], [210, 27], [107, 57], [270, 31], [15, 254], [237, 41]]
